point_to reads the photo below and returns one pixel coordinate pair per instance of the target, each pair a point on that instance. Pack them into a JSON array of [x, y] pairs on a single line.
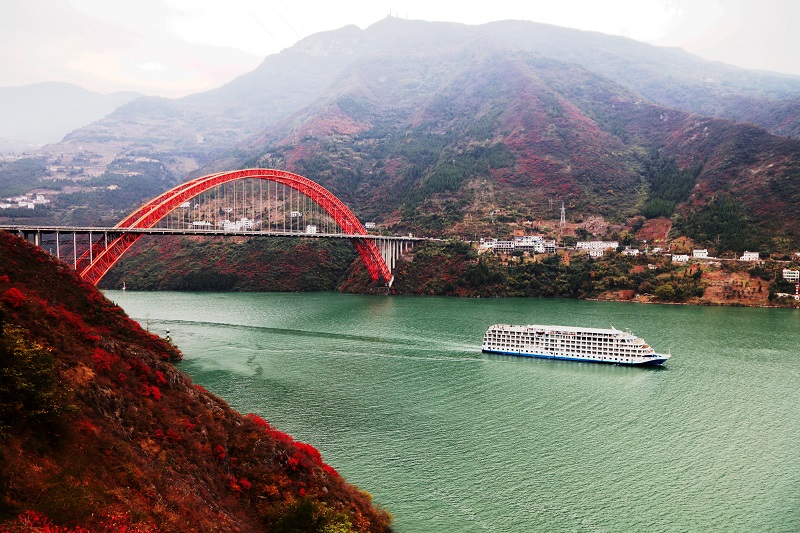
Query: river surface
[[396, 394]]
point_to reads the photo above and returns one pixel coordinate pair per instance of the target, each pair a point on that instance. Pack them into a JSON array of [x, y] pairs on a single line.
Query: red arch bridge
[[236, 203]]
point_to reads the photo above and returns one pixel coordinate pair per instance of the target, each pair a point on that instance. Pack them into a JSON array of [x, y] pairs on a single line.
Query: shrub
[[28, 388], [665, 292], [13, 297]]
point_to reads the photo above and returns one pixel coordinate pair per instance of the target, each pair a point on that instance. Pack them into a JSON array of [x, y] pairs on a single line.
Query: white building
[[242, 223], [791, 275], [631, 251], [597, 245], [749, 256], [680, 258], [486, 245], [505, 247], [311, 228], [701, 254], [529, 243], [369, 225], [536, 244]]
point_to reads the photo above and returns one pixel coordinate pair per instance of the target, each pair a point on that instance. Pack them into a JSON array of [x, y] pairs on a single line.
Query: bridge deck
[[85, 230]]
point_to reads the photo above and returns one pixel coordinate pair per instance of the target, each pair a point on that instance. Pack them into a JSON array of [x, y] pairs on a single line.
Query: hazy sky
[[176, 47]]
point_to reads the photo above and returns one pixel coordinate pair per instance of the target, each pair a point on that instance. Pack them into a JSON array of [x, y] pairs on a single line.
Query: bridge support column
[[392, 249]]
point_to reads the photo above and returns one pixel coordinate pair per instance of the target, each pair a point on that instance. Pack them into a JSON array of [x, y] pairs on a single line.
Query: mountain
[[667, 76], [100, 432], [435, 145], [435, 126], [42, 113]]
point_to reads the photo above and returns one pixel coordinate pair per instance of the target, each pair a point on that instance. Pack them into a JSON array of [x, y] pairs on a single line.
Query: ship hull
[[650, 362]]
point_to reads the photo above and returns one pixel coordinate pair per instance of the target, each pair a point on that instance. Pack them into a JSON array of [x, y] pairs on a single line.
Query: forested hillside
[[100, 432]]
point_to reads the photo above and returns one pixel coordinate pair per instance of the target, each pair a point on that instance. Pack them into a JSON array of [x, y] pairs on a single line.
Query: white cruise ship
[[571, 343]]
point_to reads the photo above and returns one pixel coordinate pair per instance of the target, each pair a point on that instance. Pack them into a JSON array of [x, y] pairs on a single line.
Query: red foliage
[[173, 437], [310, 451], [122, 524], [35, 522], [5, 279], [139, 366], [220, 451], [238, 485], [151, 391], [87, 426], [13, 297], [328, 469], [160, 379], [103, 360], [258, 420], [280, 436]]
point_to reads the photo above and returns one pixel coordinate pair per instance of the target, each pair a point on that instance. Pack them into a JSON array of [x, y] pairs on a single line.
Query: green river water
[[396, 394]]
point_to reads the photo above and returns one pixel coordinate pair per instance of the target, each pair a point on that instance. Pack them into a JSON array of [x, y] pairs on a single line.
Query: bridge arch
[[153, 211]]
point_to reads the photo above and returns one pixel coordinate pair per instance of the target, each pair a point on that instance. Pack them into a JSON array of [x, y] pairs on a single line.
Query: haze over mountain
[[431, 126], [42, 113]]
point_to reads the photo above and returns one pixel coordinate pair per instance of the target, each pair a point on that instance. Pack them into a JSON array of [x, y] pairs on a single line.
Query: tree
[[28, 389], [665, 292]]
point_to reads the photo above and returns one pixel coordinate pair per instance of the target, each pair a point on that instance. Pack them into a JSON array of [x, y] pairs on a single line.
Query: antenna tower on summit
[[563, 215]]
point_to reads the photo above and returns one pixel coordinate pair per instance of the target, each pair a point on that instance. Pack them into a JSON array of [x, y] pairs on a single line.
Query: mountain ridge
[[380, 111]]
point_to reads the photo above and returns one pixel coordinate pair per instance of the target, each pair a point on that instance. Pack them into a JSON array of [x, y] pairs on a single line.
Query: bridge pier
[[391, 250]]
